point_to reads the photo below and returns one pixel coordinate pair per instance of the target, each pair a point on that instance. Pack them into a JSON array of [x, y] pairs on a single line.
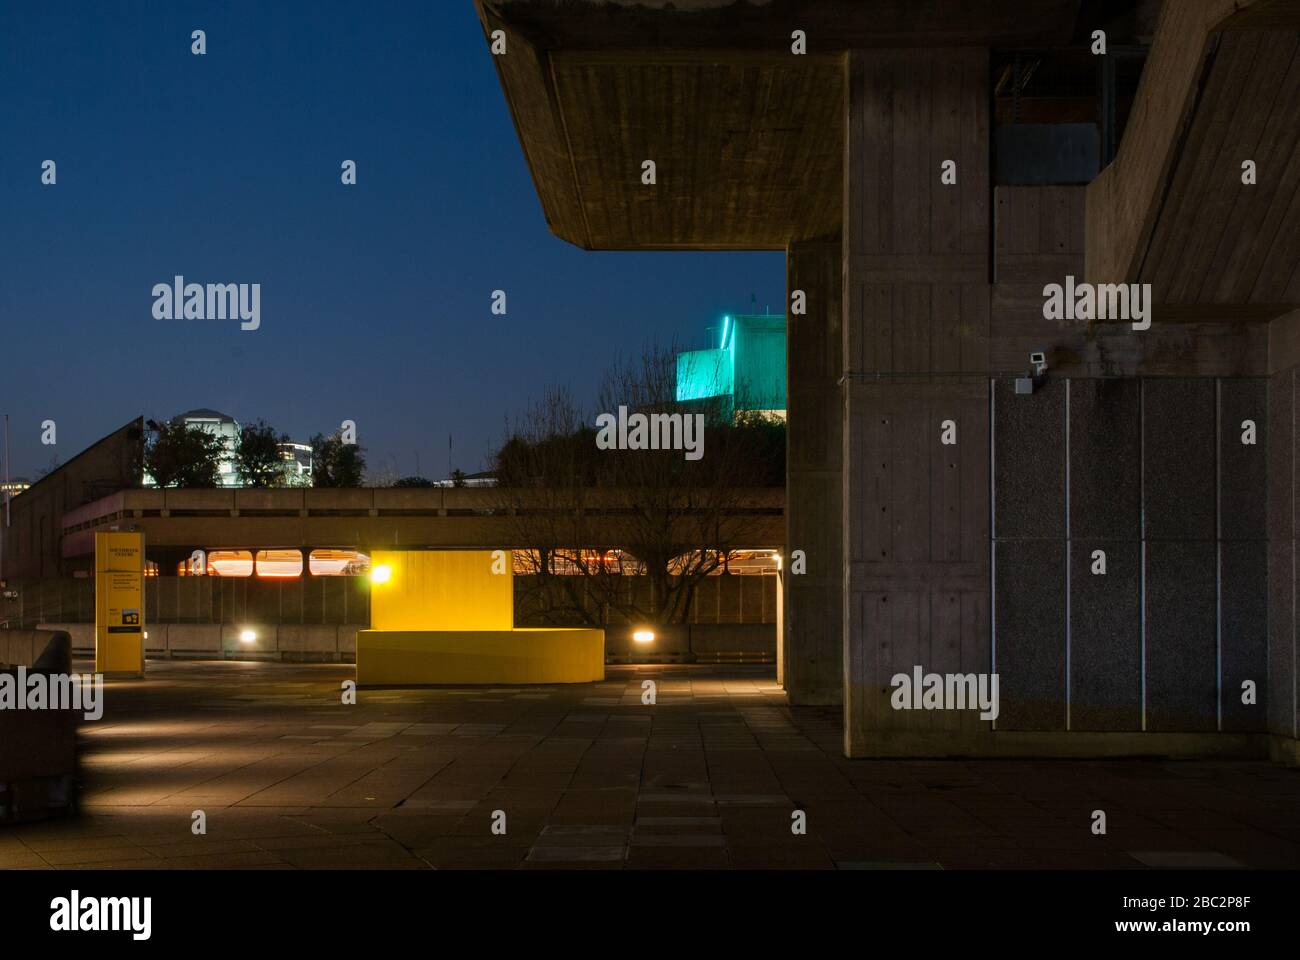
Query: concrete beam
[[1127, 201], [766, 24]]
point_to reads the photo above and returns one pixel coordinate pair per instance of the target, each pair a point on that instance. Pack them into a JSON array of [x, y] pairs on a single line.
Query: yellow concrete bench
[[521, 655], [447, 616]]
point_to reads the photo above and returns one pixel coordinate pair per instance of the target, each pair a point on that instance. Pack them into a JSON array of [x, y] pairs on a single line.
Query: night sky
[[225, 168]]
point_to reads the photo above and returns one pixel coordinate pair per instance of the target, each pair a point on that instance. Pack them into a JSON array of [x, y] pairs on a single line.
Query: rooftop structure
[[746, 370]]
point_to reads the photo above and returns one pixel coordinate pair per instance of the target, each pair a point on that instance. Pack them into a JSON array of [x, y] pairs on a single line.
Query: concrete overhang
[[1221, 87], [747, 137], [368, 517]]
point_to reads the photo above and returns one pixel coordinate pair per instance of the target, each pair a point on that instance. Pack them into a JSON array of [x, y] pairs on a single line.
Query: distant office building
[[219, 425], [297, 457], [746, 370], [484, 479], [297, 463]]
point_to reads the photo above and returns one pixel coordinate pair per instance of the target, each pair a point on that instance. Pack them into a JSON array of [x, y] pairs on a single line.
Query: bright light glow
[[704, 373], [380, 573], [247, 636], [644, 636], [777, 558]]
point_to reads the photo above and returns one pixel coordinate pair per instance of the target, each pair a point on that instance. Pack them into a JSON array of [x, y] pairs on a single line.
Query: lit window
[[279, 563], [230, 563], [338, 563]]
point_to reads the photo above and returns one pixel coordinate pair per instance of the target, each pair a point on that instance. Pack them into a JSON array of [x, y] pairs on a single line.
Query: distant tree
[[257, 456], [458, 477], [44, 472], [335, 463], [385, 474], [181, 455], [413, 482]]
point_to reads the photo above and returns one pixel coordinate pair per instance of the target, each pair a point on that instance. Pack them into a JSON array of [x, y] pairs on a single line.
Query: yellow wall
[[443, 616], [410, 657], [442, 590]]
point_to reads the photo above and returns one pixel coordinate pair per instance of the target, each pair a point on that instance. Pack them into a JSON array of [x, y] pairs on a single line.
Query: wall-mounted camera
[[1037, 370]]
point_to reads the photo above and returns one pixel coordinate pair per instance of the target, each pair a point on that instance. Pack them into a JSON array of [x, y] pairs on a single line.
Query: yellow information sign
[[119, 604]]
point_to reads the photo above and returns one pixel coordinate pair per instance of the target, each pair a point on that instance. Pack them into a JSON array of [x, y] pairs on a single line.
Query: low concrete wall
[[26, 647], [335, 643], [695, 643], [311, 601], [23, 647], [38, 748]]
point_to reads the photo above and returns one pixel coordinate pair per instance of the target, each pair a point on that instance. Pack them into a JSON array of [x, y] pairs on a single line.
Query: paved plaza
[[587, 776]]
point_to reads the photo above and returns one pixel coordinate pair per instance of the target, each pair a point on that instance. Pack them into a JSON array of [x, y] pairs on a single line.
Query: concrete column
[[780, 629], [1282, 696], [812, 648], [915, 333]]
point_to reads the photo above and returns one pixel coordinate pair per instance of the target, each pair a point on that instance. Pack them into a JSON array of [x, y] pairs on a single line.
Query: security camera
[[1038, 367]]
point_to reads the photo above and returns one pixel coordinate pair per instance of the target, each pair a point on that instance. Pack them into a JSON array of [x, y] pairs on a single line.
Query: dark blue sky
[[225, 168]]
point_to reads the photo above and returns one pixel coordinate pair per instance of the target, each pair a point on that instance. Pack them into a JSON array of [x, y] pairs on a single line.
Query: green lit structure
[[746, 370]]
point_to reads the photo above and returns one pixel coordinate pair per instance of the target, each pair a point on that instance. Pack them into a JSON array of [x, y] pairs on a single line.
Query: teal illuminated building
[[746, 370]]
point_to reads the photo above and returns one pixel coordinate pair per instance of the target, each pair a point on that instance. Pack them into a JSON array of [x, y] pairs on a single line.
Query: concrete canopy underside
[[746, 137]]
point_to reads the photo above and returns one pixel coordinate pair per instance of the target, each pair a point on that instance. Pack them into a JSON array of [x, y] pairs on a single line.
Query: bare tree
[[628, 533]]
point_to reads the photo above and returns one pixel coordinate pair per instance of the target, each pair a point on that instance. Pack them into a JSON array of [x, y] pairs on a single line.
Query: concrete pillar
[[780, 629], [812, 648], [915, 334], [1282, 694]]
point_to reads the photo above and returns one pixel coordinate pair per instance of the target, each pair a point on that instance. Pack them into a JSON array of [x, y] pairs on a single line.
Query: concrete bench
[[38, 748]]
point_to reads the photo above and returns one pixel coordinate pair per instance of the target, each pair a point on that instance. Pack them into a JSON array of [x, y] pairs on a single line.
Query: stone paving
[[589, 777]]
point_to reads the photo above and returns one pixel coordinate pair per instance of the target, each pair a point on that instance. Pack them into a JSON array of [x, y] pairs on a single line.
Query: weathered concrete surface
[[1282, 693], [1222, 85], [814, 635], [745, 134], [363, 517], [916, 320]]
